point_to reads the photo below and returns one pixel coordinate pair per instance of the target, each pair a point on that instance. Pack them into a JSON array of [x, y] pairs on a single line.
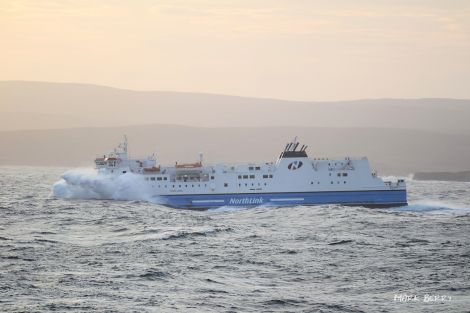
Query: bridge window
[[245, 176], [265, 176], [345, 174], [252, 176], [239, 176], [257, 168], [159, 178]]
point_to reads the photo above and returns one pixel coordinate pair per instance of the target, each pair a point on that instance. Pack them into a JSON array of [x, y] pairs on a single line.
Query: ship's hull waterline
[[367, 198]]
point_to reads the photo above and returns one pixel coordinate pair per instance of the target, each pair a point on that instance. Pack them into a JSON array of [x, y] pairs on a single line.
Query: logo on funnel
[[294, 165]]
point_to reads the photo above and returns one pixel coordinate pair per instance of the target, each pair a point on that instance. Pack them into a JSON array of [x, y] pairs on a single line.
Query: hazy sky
[[292, 49]]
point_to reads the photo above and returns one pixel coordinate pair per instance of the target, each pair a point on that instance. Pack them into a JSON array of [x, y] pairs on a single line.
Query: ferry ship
[[293, 179]]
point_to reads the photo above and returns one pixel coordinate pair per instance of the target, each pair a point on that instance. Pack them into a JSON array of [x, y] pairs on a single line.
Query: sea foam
[[431, 206]]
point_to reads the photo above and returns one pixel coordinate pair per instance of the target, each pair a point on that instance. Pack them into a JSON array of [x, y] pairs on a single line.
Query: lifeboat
[[188, 165], [152, 169]]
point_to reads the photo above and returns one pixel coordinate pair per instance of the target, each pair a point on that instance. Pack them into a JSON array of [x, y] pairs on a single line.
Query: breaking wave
[[91, 184]]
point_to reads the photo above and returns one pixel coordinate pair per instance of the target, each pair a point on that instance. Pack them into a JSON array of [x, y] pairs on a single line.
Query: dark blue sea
[[63, 251]]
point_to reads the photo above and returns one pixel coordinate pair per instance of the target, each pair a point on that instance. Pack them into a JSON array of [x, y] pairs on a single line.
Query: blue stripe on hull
[[371, 198]]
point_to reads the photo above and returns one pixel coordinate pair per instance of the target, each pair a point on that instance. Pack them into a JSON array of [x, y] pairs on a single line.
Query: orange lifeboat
[[188, 165], [152, 169]]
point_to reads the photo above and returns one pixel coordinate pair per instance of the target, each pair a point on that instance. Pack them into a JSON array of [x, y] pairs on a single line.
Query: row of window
[[256, 168], [253, 176], [252, 184], [161, 178], [341, 174], [157, 178], [318, 183], [329, 164], [180, 186], [226, 184]]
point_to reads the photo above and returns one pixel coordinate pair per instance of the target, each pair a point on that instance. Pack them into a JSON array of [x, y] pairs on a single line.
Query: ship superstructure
[[293, 179]]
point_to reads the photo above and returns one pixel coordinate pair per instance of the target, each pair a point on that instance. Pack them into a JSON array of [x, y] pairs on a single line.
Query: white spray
[[90, 184]]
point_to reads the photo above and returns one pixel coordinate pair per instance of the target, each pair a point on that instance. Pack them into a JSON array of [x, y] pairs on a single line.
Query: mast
[[124, 147]]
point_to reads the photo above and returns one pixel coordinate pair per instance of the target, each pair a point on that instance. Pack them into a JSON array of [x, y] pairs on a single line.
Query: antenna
[[295, 147], [125, 144]]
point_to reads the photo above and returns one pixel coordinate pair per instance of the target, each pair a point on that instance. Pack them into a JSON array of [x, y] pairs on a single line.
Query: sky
[[291, 49]]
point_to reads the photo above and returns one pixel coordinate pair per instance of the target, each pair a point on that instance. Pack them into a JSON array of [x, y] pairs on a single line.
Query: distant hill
[[463, 176], [391, 151], [42, 105], [69, 124]]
